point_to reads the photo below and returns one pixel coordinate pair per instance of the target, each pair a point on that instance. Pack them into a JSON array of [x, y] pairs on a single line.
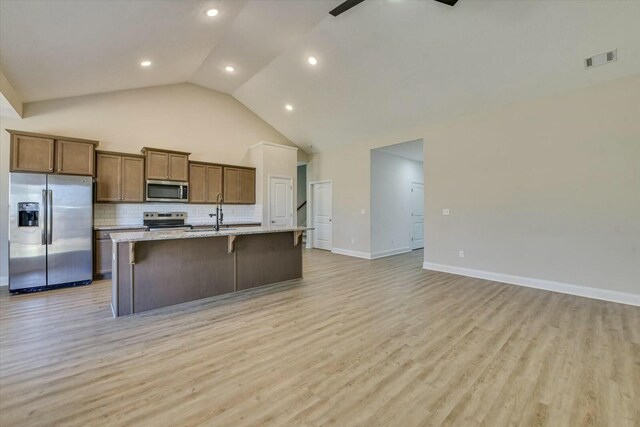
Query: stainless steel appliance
[[50, 231], [165, 221], [167, 191]]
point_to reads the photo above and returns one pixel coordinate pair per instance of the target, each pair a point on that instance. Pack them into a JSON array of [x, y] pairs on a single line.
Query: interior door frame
[[310, 201], [292, 193], [411, 186]]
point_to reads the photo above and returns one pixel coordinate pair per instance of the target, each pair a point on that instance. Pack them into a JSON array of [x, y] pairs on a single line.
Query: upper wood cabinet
[[132, 179], [108, 177], [31, 152], [239, 185], [248, 186], [205, 182], [74, 158], [119, 177], [178, 167], [166, 165]]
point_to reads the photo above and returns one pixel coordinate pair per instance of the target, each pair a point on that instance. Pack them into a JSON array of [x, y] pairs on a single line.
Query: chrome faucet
[[219, 214]]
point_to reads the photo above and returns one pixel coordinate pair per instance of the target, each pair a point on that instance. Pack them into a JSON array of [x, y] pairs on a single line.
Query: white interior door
[[321, 206], [281, 201], [417, 215]]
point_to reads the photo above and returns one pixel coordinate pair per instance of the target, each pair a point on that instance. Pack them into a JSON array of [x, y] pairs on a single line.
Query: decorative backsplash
[[131, 213]]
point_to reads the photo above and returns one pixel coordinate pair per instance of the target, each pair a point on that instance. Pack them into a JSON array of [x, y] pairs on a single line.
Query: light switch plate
[[445, 211]]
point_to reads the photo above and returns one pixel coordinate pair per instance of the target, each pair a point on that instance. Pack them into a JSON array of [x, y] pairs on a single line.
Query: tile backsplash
[[131, 213]]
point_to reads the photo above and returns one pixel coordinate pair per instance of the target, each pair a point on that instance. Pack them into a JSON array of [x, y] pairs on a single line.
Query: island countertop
[[141, 236]]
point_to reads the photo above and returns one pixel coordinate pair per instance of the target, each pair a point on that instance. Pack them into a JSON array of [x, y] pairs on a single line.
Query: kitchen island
[[154, 269]]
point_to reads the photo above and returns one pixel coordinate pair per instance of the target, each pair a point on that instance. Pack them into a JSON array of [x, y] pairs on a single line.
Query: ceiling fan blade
[[448, 2], [343, 7]]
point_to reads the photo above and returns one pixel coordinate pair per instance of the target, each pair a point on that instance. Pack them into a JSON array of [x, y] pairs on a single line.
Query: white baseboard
[[390, 252], [547, 285], [348, 252], [4, 281]]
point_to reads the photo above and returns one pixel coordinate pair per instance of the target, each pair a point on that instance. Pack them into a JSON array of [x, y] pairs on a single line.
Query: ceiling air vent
[[601, 59]]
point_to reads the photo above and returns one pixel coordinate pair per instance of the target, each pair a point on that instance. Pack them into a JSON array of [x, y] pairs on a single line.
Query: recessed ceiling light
[[145, 63], [289, 107], [312, 60], [212, 12], [229, 69]]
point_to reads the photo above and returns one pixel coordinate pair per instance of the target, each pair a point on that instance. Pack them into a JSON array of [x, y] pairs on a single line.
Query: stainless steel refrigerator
[[50, 231]]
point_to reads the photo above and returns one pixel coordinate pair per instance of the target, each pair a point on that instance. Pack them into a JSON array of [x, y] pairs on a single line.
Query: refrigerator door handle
[[43, 219], [50, 218]]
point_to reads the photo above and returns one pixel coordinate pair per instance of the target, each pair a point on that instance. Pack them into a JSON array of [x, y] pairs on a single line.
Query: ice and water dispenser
[[28, 214]]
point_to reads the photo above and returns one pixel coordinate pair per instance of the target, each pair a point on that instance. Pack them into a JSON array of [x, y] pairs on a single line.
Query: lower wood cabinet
[[205, 182], [103, 250], [239, 185], [119, 177]]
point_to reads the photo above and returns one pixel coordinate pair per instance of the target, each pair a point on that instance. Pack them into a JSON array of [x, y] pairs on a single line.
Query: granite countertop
[[141, 236], [196, 224]]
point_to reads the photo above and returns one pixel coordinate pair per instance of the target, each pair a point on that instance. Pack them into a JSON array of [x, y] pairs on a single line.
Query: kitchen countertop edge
[[142, 236], [201, 224]]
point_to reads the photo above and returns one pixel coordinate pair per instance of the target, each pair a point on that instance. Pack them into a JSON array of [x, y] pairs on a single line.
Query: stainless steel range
[[165, 221]]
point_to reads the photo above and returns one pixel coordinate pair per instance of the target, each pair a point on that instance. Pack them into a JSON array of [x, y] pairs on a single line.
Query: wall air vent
[[601, 59]]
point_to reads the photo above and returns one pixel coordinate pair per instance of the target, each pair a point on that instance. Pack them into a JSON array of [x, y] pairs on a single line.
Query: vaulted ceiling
[[383, 66]]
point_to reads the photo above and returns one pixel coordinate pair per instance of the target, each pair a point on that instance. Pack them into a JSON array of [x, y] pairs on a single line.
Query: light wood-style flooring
[[356, 342]]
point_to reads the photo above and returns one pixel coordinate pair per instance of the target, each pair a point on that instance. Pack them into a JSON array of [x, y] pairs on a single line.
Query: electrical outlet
[[363, 211], [353, 240], [445, 211], [461, 254]]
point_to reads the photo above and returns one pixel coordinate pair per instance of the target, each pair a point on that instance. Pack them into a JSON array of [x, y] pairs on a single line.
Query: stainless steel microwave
[[167, 191]]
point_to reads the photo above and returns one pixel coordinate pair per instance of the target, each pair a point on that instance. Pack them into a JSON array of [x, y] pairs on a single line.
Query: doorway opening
[[397, 199], [321, 215], [301, 196]]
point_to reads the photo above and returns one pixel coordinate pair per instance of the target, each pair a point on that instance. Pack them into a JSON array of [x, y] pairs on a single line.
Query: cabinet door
[[178, 167], [108, 178], [31, 154], [157, 165], [247, 186], [231, 185], [197, 183], [132, 179], [214, 183], [74, 158], [103, 257]]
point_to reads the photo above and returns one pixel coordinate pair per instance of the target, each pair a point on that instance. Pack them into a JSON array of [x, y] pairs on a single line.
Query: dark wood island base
[[151, 274]]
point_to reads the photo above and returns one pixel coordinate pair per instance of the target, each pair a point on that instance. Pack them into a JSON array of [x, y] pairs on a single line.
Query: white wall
[[391, 221], [546, 189], [273, 160], [211, 125], [348, 169]]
